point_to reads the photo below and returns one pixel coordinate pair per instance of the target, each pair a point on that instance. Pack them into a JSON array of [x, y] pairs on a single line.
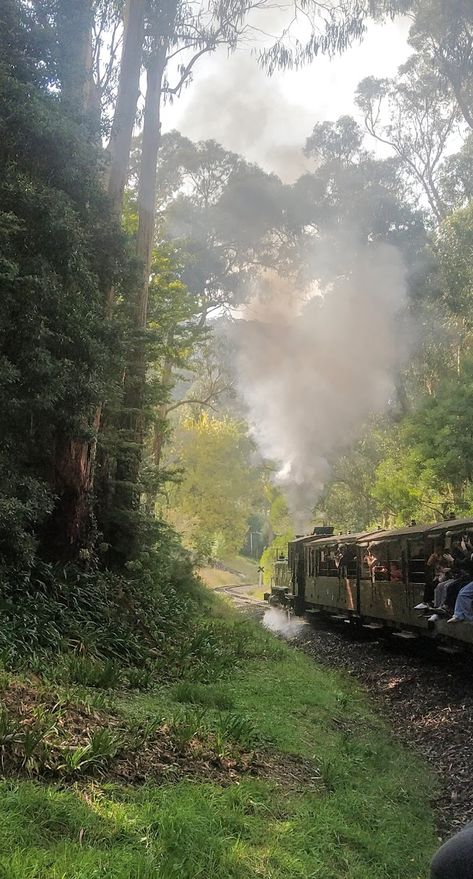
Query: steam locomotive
[[334, 575]]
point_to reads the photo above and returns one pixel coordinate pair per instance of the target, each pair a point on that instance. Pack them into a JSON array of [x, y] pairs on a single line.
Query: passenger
[[376, 569], [341, 559], [395, 572], [462, 573], [451, 589], [440, 562], [463, 551], [463, 611], [454, 860], [445, 596], [371, 560]]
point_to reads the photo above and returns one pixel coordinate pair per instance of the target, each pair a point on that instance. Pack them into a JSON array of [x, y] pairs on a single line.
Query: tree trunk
[[159, 430], [74, 31], [127, 100], [148, 180], [118, 151], [69, 529], [126, 499]]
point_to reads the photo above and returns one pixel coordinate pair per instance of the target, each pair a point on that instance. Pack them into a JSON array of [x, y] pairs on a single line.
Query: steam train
[[333, 575]]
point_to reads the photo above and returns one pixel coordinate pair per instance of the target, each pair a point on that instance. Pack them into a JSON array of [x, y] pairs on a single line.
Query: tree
[[119, 145], [220, 486], [416, 118], [60, 248], [455, 249], [348, 503], [226, 216], [49, 49], [438, 441], [338, 142], [170, 29], [350, 201], [457, 176], [442, 33]]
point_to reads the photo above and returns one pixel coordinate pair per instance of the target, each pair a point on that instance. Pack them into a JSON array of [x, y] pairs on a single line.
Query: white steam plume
[[312, 371], [282, 623], [247, 112]]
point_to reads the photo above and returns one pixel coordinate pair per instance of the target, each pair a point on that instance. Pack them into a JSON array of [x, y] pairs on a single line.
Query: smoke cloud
[[248, 113], [312, 369]]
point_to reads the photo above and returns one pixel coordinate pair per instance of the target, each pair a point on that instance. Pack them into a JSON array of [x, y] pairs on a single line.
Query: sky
[[268, 119]]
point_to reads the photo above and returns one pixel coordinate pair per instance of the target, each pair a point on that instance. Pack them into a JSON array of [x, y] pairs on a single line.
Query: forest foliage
[[125, 257]]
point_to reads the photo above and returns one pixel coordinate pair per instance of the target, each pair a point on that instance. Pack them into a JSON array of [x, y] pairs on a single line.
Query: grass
[[365, 816], [214, 577], [247, 572], [190, 831], [258, 592]]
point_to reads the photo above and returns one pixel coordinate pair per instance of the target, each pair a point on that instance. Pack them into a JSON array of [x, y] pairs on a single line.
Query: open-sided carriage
[[335, 575]]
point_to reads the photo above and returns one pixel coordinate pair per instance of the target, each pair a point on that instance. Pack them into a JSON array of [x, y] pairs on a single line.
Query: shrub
[[57, 609]]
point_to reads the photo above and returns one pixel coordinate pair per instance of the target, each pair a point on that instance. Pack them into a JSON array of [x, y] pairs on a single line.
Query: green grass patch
[[246, 566], [242, 571], [367, 816], [200, 830]]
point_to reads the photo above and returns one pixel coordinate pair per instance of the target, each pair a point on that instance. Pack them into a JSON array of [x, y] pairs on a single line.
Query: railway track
[[235, 592]]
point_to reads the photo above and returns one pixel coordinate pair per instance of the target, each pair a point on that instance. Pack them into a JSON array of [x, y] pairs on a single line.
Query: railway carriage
[[336, 575], [331, 581]]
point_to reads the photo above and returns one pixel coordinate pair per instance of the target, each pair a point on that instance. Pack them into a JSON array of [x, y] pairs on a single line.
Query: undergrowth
[[127, 619]]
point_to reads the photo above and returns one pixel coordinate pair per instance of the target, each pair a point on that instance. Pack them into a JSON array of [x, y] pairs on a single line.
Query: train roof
[[433, 528], [365, 537], [302, 538], [337, 538]]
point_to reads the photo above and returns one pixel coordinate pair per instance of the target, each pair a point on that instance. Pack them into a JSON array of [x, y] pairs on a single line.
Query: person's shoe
[[454, 620], [433, 618], [422, 606]]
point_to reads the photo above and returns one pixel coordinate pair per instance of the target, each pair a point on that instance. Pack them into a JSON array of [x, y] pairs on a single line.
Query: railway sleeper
[[405, 634]]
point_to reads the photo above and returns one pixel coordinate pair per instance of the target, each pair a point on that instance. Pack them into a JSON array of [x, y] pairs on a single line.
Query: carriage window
[[311, 562], [416, 563], [350, 561], [395, 570], [381, 567], [326, 563], [375, 562], [365, 569], [346, 560]]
